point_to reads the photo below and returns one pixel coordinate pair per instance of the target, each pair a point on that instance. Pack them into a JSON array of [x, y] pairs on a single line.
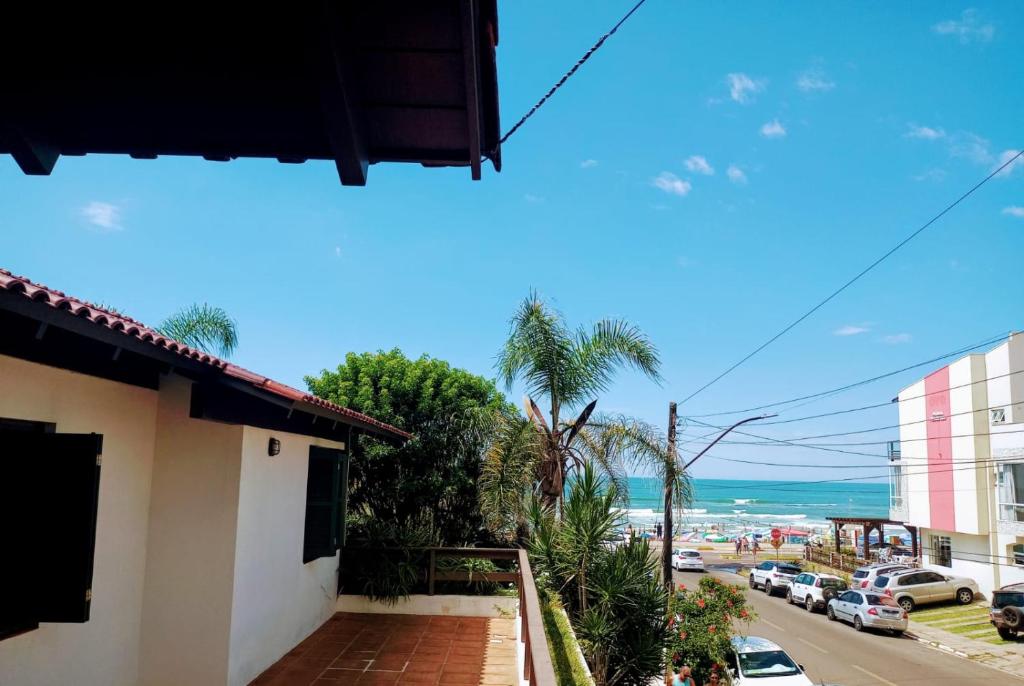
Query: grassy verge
[[569, 667]]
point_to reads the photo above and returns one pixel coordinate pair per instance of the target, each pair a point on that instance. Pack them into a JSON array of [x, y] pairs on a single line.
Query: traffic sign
[[776, 533]]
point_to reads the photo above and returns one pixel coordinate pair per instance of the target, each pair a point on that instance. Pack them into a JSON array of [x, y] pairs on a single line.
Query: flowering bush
[[702, 621]]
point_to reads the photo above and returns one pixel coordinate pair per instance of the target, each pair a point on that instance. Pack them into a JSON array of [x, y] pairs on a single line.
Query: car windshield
[[881, 600], [1001, 599], [833, 583], [881, 581], [769, 663], [691, 553], [789, 569], [860, 574]]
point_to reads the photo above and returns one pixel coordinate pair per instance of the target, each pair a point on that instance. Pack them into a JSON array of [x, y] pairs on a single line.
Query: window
[[896, 487], [998, 415], [930, 578], [48, 510], [1011, 492], [326, 497], [942, 551], [1017, 554]]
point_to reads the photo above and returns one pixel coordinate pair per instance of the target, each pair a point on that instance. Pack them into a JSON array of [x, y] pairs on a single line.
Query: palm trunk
[[670, 478]]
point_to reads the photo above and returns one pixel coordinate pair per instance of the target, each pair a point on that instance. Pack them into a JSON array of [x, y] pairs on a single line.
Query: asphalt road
[[833, 653]]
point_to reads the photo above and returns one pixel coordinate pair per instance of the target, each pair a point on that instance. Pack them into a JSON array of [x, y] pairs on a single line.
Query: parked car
[[813, 591], [771, 575], [867, 610], [759, 661], [1007, 612], [914, 587], [864, 577], [687, 559]]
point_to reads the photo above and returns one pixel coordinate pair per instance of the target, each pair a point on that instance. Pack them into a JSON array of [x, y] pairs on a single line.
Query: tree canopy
[[433, 478]]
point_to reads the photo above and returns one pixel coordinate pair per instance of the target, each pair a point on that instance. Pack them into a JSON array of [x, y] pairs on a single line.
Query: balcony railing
[[538, 669]]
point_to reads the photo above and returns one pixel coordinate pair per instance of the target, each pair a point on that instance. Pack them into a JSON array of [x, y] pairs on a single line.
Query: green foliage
[[507, 477], [384, 565], [205, 327], [703, 620], [451, 414], [612, 594], [569, 667]]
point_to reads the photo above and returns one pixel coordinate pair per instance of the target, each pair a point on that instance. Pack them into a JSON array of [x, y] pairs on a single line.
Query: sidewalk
[[966, 632]]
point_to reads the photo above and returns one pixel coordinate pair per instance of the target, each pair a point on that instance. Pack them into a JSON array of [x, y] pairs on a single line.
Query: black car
[[1007, 613]]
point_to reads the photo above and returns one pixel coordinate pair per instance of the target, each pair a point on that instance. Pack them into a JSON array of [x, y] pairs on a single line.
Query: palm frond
[[507, 475], [204, 327], [614, 343]]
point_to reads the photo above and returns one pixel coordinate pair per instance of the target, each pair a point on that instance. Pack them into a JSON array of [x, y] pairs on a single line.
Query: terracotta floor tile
[[459, 678]]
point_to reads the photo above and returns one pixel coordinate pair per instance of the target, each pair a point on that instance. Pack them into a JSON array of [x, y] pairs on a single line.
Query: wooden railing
[[538, 669]]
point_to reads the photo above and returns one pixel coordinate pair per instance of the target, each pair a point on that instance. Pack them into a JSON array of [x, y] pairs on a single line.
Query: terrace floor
[[401, 649]]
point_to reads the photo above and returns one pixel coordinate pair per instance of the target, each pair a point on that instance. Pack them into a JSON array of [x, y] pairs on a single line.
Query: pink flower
[[682, 587], [682, 635], [700, 603], [711, 629]]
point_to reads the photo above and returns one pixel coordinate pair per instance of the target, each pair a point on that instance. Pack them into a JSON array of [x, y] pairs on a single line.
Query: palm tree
[[204, 327], [567, 368]]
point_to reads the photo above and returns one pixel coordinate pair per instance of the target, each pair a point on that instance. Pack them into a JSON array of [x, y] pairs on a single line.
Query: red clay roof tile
[[130, 327]]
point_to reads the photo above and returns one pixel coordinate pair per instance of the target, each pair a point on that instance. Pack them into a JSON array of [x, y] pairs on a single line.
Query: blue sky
[[712, 172]]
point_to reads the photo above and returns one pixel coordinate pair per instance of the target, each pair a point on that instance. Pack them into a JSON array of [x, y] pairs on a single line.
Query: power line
[[980, 462], [856, 278], [887, 402], [855, 384], [861, 443], [561, 82], [785, 442]]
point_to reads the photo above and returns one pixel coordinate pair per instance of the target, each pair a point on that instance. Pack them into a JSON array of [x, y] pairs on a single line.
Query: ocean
[[732, 505]]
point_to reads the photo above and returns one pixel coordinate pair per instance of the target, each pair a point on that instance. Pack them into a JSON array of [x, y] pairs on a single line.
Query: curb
[[936, 645]]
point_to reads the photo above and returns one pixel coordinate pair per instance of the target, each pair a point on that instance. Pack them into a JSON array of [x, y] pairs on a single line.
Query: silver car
[[864, 577], [914, 587], [867, 610]]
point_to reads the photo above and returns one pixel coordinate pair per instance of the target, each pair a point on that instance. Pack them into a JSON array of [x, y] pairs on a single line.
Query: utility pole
[[670, 478]]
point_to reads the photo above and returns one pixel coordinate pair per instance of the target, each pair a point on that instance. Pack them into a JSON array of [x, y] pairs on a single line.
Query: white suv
[[772, 575], [687, 559], [813, 591], [758, 661], [864, 577]]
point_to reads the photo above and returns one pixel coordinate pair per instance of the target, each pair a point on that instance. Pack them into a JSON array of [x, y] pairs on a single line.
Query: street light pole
[[723, 435]]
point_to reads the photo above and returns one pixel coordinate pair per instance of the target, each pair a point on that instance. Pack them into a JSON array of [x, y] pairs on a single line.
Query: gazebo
[[874, 524]]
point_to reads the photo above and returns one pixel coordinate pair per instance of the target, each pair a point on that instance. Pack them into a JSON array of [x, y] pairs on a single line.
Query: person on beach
[[682, 677], [739, 546], [658, 529], [756, 548]]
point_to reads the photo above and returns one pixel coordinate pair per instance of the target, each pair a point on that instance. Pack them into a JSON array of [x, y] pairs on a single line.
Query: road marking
[[818, 648], [873, 675], [772, 624]]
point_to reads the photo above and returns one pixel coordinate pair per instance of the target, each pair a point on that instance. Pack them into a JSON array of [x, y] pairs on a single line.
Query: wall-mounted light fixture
[[274, 447]]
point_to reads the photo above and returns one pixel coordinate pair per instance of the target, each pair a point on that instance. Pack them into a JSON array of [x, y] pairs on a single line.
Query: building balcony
[[483, 640]]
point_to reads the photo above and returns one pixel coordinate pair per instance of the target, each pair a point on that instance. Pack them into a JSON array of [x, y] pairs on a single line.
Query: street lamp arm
[[723, 435]]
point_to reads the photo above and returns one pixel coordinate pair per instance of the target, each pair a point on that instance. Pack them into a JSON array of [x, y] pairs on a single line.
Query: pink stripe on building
[[940, 451]]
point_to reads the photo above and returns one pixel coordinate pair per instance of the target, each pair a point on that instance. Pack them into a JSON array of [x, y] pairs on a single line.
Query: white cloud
[[736, 175], [971, 146], [699, 165], [773, 129], [587, 164], [1004, 157], [104, 215], [337, 251], [897, 338], [1014, 211], [742, 88], [533, 199], [851, 330], [968, 29], [670, 183], [934, 174], [815, 79], [924, 132]]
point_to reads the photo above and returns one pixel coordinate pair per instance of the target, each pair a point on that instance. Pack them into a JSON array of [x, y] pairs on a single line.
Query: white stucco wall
[[278, 600], [104, 650], [190, 562], [971, 558], [968, 405], [914, 453]]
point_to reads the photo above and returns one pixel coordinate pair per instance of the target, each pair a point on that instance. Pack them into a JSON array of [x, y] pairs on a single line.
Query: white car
[[687, 559], [864, 577], [772, 575], [758, 661], [813, 591], [867, 610]]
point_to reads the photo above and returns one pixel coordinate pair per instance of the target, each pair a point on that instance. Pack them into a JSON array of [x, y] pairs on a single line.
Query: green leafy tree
[[703, 620], [204, 327], [435, 476], [567, 368]]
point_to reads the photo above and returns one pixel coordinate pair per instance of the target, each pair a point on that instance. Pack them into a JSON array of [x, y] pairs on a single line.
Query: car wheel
[[1007, 634], [1013, 617], [809, 602], [965, 596], [906, 603], [750, 580], [830, 613], [789, 596], [858, 623], [768, 589]]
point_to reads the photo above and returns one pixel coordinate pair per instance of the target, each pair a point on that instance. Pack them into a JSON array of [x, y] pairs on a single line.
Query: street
[[834, 653]]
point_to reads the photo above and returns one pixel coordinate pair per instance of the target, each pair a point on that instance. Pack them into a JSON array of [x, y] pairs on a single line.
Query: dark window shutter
[[321, 532], [53, 485], [342, 498]]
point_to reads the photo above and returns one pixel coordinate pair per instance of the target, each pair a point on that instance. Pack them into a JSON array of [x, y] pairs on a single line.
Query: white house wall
[[278, 600], [191, 558], [914, 453], [104, 650]]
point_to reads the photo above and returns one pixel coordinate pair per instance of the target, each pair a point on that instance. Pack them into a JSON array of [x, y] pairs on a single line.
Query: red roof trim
[[129, 327]]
